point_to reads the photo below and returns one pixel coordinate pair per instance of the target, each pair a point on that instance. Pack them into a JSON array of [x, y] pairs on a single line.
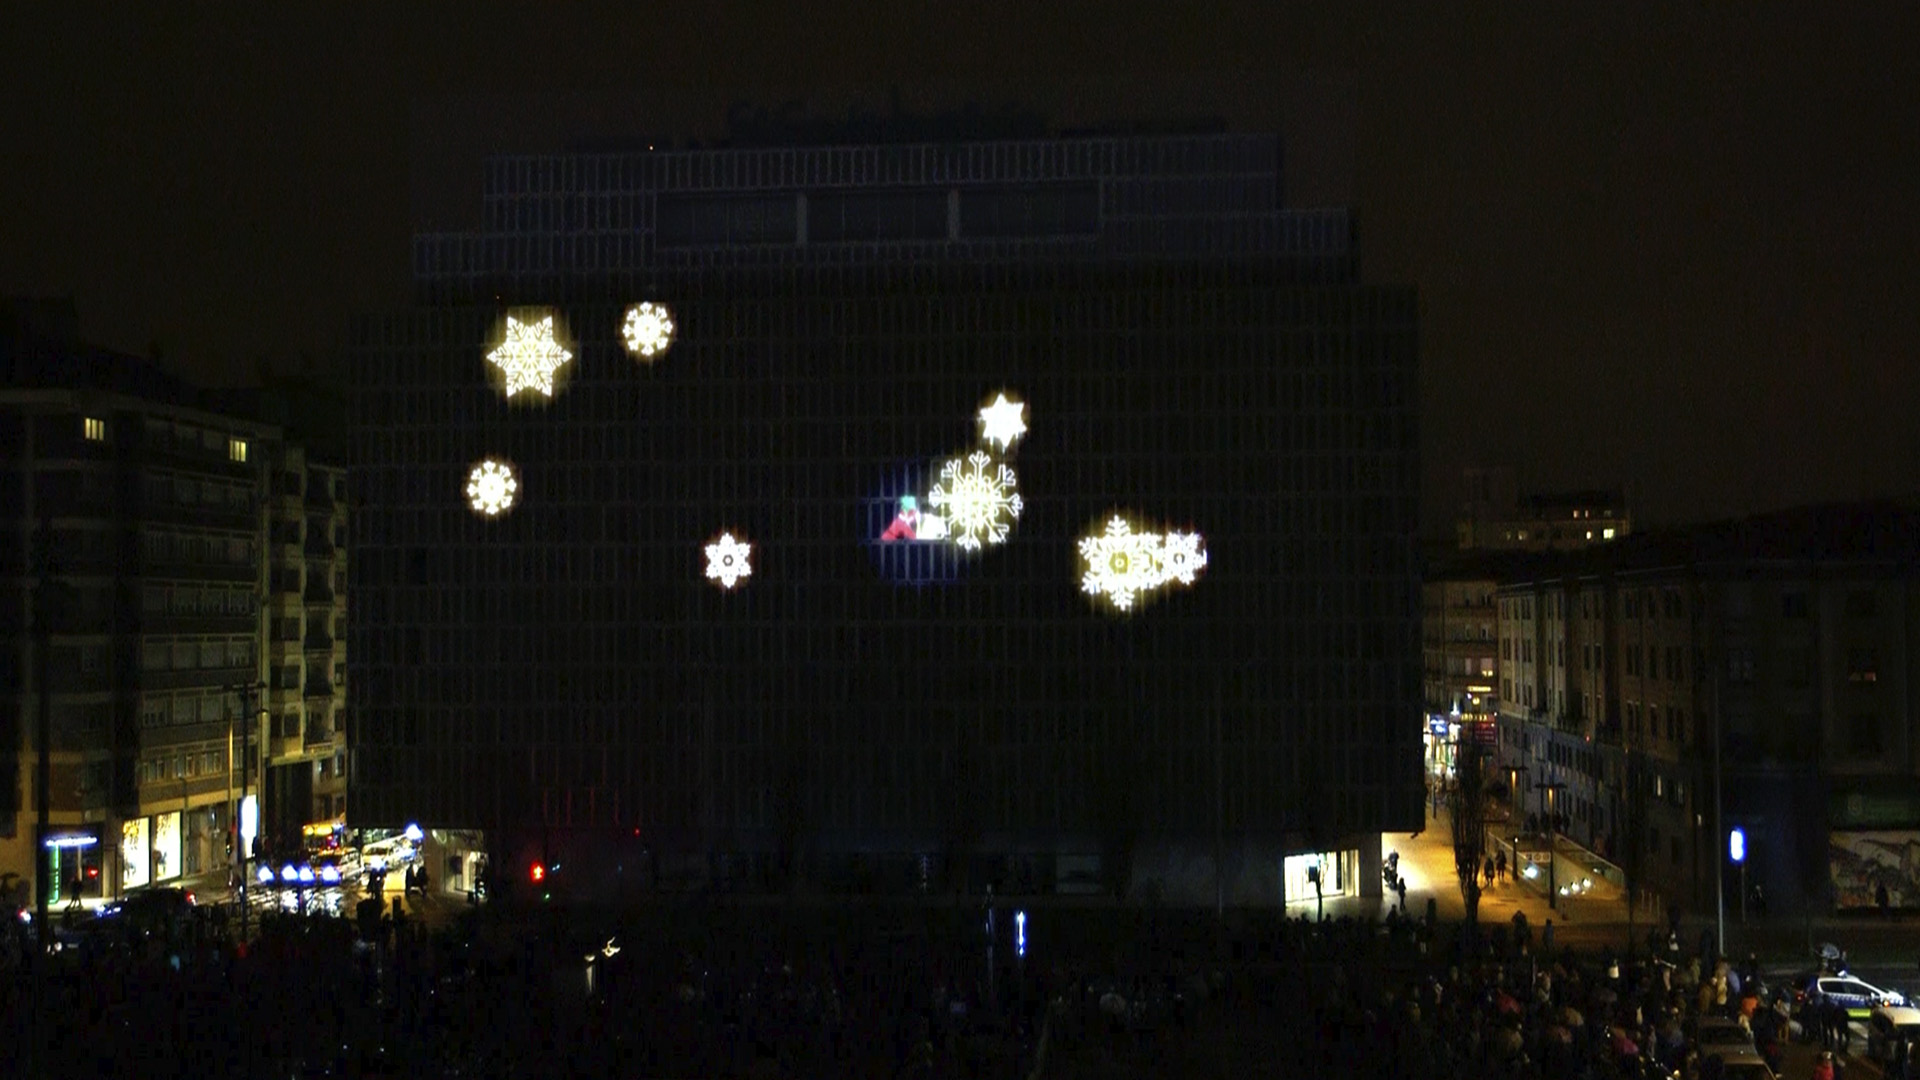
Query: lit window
[[95, 429], [237, 450], [1606, 534]]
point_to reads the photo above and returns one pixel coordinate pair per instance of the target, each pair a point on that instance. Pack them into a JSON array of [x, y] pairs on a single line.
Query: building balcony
[[221, 517], [318, 688], [319, 643], [201, 677], [198, 624], [319, 734], [317, 547], [199, 571], [318, 593]]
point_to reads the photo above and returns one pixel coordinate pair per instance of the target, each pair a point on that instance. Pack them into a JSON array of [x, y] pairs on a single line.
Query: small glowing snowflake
[[979, 506], [648, 330], [1181, 557], [529, 355], [491, 487], [1121, 564], [727, 560]]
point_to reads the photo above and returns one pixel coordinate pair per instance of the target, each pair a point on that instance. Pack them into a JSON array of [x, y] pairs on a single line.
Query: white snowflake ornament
[[979, 505], [529, 356], [648, 330], [1120, 564], [727, 561], [491, 487]]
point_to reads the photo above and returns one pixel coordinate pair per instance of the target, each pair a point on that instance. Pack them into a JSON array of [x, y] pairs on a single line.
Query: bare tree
[[1467, 812]]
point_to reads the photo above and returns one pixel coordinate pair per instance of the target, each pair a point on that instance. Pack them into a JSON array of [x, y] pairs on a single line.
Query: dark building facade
[[861, 714]]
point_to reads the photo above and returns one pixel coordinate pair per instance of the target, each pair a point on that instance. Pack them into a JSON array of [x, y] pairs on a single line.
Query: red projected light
[[539, 873]]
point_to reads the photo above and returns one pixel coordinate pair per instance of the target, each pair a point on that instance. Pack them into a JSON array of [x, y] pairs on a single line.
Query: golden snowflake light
[[491, 487], [978, 504], [727, 563], [1120, 565], [1003, 421], [648, 330], [529, 355]]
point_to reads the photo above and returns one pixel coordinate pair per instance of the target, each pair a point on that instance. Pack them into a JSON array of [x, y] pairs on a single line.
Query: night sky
[[1656, 248]]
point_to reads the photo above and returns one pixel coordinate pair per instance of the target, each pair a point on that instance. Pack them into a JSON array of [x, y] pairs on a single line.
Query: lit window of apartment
[[237, 450], [1606, 534], [94, 428]]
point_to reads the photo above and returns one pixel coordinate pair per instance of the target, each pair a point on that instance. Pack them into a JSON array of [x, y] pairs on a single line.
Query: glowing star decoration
[[648, 330], [727, 561], [529, 356], [491, 488], [979, 505], [1003, 421], [1122, 564]]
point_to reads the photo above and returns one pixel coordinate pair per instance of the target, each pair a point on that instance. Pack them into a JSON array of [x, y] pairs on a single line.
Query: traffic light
[[539, 873]]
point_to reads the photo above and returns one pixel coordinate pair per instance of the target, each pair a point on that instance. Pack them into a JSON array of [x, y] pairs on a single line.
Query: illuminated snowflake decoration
[[1181, 557], [979, 505], [648, 330], [1003, 421], [529, 356], [1122, 564], [491, 487], [727, 561]]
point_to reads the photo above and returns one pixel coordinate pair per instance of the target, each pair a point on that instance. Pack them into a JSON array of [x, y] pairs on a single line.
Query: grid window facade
[[566, 663]]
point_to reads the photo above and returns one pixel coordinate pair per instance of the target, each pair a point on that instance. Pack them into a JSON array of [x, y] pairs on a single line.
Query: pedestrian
[[1882, 900], [1399, 886], [1500, 866]]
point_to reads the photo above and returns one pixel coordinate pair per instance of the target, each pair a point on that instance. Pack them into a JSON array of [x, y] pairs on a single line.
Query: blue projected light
[[908, 545]]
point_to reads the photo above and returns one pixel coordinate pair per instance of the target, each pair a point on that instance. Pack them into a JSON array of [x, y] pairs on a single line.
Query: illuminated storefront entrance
[[73, 863], [1337, 870]]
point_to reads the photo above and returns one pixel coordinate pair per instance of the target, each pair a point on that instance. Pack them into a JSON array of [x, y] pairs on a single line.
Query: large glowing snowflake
[[1122, 564], [979, 505], [529, 356], [491, 487], [1003, 421], [648, 330], [727, 561]]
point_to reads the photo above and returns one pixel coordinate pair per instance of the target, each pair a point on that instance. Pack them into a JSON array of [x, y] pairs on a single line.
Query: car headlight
[[306, 875], [288, 873], [266, 875]]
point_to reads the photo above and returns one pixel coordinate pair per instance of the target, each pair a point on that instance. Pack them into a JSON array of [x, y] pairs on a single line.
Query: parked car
[[1742, 1065], [1859, 996], [1718, 1035], [1887, 1027], [152, 910]]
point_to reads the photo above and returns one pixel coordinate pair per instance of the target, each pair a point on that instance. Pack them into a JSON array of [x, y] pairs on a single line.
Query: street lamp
[[1549, 801], [1514, 773]]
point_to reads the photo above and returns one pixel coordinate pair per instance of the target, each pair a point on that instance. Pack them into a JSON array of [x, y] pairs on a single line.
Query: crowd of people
[[536, 994]]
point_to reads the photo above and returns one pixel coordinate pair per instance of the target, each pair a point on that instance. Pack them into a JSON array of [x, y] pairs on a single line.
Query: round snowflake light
[[491, 488], [648, 330], [727, 561], [529, 355], [1181, 557], [978, 504], [1121, 565]]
